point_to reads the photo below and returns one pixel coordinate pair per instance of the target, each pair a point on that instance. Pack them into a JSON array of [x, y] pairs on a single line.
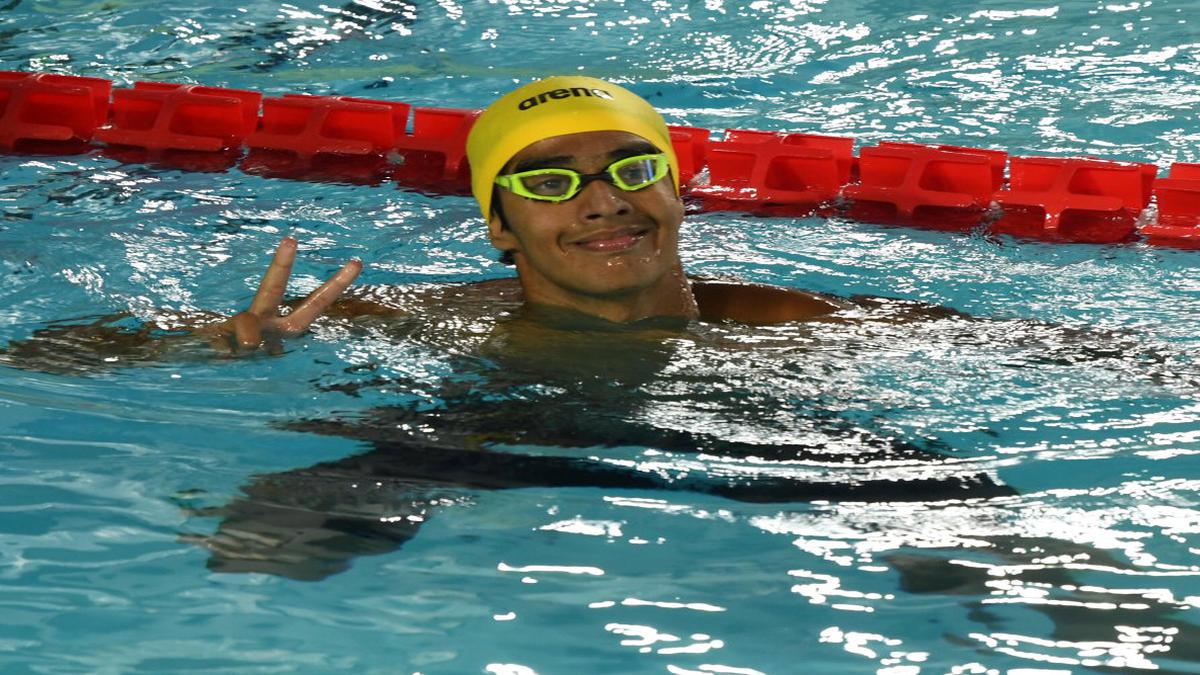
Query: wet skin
[[606, 252], [264, 323]]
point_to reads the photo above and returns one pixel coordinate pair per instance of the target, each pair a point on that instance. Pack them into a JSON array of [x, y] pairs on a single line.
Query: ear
[[501, 237]]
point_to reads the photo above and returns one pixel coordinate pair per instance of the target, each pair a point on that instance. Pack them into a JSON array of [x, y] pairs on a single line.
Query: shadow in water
[[575, 411], [547, 405]]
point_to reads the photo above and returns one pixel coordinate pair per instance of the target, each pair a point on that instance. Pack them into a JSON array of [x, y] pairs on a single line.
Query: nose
[[601, 199]]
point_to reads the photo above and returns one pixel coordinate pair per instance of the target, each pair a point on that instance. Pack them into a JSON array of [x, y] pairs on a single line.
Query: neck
[[670, 296]]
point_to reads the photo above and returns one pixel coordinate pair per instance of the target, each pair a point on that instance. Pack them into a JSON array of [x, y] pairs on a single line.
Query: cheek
[[525, 227], [677, 212], [537, 237], [671, 211]]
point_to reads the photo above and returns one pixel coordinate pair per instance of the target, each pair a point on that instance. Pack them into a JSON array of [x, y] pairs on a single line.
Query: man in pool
[[579, 186], [576, 179]]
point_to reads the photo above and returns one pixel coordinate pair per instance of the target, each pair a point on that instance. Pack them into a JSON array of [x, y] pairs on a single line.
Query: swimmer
[[579, 186]]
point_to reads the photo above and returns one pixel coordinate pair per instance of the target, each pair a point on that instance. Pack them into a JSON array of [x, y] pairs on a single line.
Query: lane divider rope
[[353, 139]]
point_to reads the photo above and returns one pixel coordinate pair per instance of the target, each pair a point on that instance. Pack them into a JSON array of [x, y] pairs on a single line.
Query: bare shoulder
[[759, 303]]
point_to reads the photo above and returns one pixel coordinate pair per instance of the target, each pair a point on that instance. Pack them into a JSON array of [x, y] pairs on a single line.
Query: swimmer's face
[[603, 243]]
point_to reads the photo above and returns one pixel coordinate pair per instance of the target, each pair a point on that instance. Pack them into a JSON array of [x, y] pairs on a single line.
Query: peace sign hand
[[263, 323]]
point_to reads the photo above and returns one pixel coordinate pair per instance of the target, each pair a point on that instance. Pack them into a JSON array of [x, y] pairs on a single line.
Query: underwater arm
[[312, 522]]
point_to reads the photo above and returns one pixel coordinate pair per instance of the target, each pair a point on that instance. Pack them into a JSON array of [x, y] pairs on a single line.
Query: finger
[[247, 331], [274, 282], [319, 300]]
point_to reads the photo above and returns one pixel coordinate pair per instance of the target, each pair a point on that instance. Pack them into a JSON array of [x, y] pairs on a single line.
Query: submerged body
[[548, 398]]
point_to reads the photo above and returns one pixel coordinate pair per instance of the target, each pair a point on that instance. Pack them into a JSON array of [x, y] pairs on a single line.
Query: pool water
[[1006, 487]]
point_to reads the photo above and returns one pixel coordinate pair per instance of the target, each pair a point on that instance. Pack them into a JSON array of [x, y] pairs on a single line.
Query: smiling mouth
[[613, 241]]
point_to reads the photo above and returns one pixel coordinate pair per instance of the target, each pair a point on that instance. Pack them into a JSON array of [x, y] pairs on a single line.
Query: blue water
[[1063, 416]]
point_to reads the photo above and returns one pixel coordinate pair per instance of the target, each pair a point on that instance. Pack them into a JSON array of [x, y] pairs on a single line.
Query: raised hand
[[263, 325]]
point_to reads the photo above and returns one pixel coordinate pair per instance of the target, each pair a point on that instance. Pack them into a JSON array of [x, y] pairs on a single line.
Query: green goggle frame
[[559, 185]]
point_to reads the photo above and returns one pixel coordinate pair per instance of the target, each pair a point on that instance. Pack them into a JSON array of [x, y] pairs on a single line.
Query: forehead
[[581, 148]]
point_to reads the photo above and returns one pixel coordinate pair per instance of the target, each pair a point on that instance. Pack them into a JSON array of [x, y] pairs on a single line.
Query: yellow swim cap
[[553, 107]]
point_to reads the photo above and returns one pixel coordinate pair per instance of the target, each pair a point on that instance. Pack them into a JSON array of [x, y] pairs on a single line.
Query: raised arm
[[265, 324]]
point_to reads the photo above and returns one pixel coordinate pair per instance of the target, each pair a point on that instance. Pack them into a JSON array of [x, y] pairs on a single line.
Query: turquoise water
[[896, 493]]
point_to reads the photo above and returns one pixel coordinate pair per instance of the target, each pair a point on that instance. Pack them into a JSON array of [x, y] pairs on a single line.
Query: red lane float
[[767, 173], [691, 150], [1178, 208], [1086, 200], [51, 108], [324, 136], [436, 150], [189, 117], [307, 126], [775, 174], [939, 186], [320, 132]]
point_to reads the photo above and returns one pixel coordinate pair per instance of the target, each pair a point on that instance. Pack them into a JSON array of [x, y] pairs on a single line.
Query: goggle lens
[[548, 182], [636, 173]]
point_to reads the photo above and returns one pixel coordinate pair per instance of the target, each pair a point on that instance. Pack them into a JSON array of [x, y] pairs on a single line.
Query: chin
[[620, 284]]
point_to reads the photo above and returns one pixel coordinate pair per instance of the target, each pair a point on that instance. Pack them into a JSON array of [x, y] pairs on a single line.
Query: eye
[[636, 172], [547, 184]]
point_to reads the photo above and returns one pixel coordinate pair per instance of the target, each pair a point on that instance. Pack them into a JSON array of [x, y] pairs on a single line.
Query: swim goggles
[[559, 185]]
